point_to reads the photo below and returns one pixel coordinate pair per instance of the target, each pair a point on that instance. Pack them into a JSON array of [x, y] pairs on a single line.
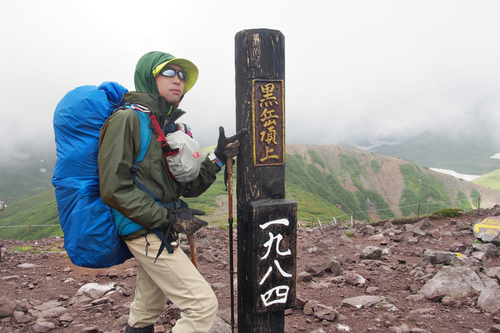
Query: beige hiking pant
[[173, 276]]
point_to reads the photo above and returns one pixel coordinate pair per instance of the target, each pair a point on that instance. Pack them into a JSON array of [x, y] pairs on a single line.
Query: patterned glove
[[184, 221]]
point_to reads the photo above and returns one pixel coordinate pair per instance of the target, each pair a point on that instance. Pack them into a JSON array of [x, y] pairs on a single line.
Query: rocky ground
[[392, 276]]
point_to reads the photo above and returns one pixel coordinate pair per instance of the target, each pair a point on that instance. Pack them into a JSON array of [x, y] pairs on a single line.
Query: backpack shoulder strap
[[145, 129], [145, 134], [143, 114]]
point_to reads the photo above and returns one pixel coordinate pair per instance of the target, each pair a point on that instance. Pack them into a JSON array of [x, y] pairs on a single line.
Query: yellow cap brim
[[187, 66]]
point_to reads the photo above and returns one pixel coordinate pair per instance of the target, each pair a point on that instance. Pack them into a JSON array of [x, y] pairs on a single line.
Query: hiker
[[161, 81]]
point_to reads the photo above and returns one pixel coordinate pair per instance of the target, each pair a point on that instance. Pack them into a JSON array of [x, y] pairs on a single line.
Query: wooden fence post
[[267, 222]]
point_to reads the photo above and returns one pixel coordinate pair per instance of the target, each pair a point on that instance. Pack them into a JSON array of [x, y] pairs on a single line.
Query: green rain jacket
[[119, 147]]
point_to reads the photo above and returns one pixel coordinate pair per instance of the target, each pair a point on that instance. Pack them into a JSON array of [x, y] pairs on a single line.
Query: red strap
[[163, 140], [161, 137]]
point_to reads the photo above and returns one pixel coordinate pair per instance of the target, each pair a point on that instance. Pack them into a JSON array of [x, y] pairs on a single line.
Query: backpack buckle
[[138, 107]]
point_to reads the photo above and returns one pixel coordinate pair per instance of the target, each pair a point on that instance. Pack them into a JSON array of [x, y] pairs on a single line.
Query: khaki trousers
[[173, 276]]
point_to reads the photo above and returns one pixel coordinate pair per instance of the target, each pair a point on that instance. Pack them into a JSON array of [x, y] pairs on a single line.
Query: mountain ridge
[[379, 171], [328, 182]]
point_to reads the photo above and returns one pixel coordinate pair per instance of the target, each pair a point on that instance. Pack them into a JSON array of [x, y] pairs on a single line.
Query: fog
[[354, 69]]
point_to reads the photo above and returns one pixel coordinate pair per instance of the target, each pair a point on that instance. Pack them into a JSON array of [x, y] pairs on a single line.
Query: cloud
[[353, 69]]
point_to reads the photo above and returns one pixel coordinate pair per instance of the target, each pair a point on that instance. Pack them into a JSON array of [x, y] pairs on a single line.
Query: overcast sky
[[353, 68]]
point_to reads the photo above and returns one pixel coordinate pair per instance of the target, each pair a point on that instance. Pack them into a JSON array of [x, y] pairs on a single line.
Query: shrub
[[448, 212]]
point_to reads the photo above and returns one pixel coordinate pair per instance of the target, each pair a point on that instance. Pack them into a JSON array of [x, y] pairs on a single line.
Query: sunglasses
[[171, 72]]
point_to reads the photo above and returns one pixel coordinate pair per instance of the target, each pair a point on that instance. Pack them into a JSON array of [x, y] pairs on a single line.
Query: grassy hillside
[[370, 186], [321, 180], [328, 182], [490, 180], [39, 212]]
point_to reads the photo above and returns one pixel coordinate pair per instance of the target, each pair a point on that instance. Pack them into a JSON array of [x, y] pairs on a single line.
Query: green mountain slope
[[328, 182], [490, 180], [371, 186], [32, 218]]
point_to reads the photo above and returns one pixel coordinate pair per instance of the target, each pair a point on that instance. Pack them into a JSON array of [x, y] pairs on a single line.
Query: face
[[171, 88]]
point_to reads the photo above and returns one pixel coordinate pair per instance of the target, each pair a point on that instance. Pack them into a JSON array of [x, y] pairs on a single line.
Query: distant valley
[[376, 180], [467, 143]]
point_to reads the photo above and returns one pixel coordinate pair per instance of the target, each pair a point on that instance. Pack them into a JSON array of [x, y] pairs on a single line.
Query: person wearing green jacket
[[161, 81]]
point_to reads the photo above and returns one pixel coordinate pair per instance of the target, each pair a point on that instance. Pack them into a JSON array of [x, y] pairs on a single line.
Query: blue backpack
[[90, 237]]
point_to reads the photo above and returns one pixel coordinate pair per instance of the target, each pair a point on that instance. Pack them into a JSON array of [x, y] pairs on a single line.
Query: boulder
[[440, 257], [489, 299], [424, 224], [95, 290], [304, 277], [368, 230], [323, 312], [456, 282], [388, 225], [417, 232], [490, 249], [308, 309], [331, 266], [354, 279], [458, 247], [359, 302], [372, 253], [7, 307], [377, 238]]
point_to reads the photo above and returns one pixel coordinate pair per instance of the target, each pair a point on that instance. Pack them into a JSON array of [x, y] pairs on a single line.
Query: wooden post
[[267, 222]]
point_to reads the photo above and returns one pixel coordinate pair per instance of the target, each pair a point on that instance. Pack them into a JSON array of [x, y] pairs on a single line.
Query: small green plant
[[348, 233], [21, 248], [37, 251]]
